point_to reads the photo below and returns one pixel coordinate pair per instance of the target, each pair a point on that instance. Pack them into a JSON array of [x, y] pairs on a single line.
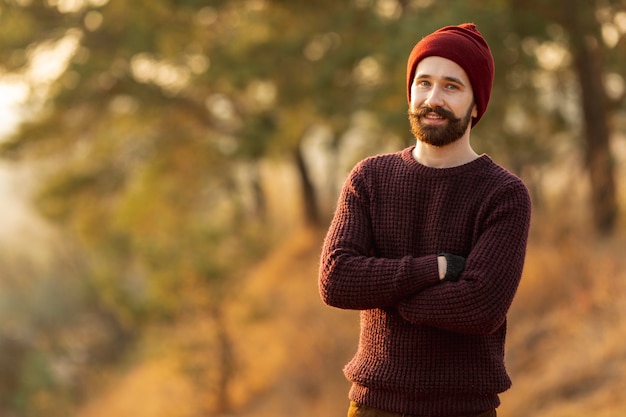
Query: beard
[[439, 136]]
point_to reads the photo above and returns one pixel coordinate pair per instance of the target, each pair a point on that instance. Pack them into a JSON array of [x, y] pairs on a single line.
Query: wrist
[[454, 266], [442, 265]]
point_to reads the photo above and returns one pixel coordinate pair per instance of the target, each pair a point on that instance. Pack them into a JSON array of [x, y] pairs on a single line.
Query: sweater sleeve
[[479, 301], [350, 275]]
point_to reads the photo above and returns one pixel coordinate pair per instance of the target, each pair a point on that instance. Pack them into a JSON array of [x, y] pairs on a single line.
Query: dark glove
[[454, 266]]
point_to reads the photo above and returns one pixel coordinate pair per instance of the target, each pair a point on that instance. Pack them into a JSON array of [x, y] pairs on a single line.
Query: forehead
[[439, 67]]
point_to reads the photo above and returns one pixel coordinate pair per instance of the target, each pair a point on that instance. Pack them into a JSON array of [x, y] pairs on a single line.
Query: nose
[[434, 99]]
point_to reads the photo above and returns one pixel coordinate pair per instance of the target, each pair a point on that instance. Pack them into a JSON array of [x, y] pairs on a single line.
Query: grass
[[565, 348], [564, 352]]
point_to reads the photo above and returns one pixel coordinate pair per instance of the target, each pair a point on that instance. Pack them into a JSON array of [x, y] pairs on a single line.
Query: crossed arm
[[476, 300]]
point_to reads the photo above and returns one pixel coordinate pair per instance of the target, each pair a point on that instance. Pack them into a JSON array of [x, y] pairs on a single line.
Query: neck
[[454, 154]]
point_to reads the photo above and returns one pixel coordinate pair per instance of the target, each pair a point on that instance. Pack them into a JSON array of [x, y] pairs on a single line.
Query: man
[[429, 244]]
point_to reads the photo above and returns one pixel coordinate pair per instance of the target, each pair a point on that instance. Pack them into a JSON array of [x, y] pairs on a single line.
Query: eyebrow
[[447, 78]]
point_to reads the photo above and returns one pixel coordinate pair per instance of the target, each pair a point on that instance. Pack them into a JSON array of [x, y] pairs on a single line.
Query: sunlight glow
[[221, 107], [123, 104], [207, 16], [516, 120], [551, 55], [263, 93], [256, 5], [148, 69], [74, 6], [610, 34], [620, 21], [368, 72], [317, 48], [389, 9], [67, 6], [49, 60], [198, 63], [46, 63], [93, 20], [614, 86], [13, 92]]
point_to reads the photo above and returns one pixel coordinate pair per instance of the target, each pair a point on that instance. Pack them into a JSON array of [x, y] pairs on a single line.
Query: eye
[[422, 83]]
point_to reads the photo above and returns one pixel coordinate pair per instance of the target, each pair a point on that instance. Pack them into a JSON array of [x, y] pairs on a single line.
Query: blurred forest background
[[176, 164]]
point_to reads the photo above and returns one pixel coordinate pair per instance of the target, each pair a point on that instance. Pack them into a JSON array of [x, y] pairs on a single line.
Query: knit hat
[[464, 45]]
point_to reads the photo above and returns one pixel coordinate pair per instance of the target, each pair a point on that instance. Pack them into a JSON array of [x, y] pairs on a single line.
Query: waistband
[[359, 410]]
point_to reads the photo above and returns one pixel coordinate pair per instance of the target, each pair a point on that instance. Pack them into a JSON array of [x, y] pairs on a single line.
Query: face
[[442, 102]]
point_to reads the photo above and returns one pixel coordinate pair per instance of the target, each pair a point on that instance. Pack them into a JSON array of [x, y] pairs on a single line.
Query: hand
[[450, 266]]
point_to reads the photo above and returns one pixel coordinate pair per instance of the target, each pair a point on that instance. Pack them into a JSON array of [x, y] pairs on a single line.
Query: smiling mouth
[[433, 118], [434, 114]]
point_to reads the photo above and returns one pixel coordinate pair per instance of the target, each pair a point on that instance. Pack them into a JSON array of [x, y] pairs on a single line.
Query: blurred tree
[[55, 333], [588, 29], [137, 161]]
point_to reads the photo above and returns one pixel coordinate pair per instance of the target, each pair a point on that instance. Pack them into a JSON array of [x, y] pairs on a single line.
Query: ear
[[474, 111]]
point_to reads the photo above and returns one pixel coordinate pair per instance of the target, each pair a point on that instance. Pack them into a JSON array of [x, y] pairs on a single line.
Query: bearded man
[[429, 244]]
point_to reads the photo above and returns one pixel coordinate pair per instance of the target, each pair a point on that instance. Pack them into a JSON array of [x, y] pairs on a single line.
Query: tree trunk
[[260, 202], [588, 64], [311, 211], [225, 362]]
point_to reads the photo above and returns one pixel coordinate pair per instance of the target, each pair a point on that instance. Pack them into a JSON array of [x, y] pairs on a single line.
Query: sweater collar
[[476, 165]]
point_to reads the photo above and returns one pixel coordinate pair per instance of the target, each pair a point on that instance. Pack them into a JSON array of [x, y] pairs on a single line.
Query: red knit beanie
[[464, 45]]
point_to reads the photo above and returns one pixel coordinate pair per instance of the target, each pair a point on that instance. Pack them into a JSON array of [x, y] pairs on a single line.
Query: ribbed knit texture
[[427, 347]]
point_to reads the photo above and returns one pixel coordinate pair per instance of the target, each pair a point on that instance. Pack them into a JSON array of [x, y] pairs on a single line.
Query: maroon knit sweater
[[427, 347]]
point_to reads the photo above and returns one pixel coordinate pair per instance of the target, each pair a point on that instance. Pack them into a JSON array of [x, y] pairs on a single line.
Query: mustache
[[423, 111]]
